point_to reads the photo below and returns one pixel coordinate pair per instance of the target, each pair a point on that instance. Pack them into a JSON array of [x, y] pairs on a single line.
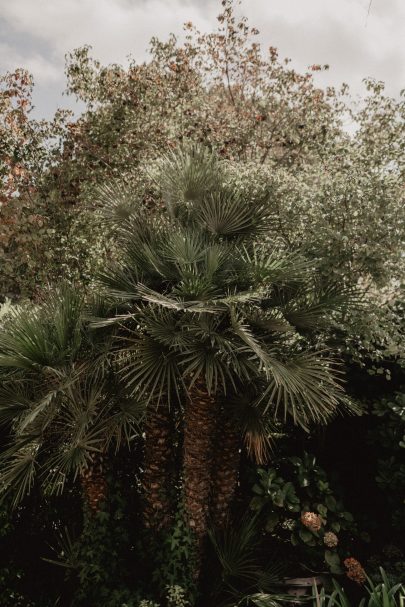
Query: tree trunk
[[199, 436], [94, 483], [225, 469], [157, 467]]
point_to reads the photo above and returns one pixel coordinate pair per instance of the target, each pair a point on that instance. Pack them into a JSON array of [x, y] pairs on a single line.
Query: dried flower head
[[330, 539], [311, 520], [355, 571]]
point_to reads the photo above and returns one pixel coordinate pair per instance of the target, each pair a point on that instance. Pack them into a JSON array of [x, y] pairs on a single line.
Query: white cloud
[[46, 71], [115, 28], [338, 32]]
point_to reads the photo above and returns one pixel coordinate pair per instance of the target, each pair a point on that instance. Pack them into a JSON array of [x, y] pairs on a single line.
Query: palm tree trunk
[[157, 467], [225, 469], [94, 483], [199, 431]]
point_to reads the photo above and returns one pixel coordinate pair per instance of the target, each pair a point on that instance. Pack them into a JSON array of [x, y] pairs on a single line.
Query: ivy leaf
[[333, 561]]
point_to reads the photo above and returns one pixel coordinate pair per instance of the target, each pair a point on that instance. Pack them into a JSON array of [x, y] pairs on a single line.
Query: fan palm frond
[[235, 548], [42, 408], [210, 304], [243, 579], [219, 260], [120, 282], [244, 332], [126, 423], [162, 324], [15, 401], [228, 214], [272, 575], [98, 305], [314, 304], [268, 321], [71, 458], [186, 175], [43, 336], [275, 267], [213, 353], [146, 260], [66, 549], [185, 248], [148, 369], [307, 387], [19, 467], [116, 203]]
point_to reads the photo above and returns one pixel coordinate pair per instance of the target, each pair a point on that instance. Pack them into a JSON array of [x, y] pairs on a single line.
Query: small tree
[[62, 398], [221, 320]]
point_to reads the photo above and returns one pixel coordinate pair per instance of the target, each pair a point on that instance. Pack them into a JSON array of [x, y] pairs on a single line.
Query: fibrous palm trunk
[[199, 432], [157, 467], [225, 469], [94, 482]]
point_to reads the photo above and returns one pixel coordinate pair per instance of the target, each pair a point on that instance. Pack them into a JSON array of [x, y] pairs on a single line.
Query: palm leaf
[[43, 337], [306, 387], [226, 213], [19, 468], [148, 369], [126, 423], [14, 401], [67, 551], [117, 204], [235, 549], [186, 175], [275, 267], [210, 305], [313, 306], [36, 410]]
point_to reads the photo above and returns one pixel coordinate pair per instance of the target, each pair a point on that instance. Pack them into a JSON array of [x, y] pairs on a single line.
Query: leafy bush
[[299, 506]]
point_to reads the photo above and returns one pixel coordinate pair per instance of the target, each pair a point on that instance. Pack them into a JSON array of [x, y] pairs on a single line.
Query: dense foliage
[[232, 269]]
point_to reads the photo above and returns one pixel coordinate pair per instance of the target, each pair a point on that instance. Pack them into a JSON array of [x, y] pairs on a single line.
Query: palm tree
[[215, 306], [158, 463], [61, 399]]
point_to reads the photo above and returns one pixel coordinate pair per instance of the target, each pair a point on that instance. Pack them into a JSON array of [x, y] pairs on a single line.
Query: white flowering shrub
[[176, 596]]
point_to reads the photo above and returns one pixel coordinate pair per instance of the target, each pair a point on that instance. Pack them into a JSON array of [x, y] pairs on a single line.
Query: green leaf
[[331, 503], [257, 489], [333, 561], [257, 503], [348, 516], [307, 537], [272, 521]]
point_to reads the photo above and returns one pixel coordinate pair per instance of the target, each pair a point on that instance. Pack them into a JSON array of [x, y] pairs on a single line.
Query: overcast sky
[[36, 34]]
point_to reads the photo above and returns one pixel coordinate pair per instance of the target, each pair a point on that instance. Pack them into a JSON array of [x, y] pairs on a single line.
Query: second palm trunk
[[157, 467], [199, 433], [225, 472]]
